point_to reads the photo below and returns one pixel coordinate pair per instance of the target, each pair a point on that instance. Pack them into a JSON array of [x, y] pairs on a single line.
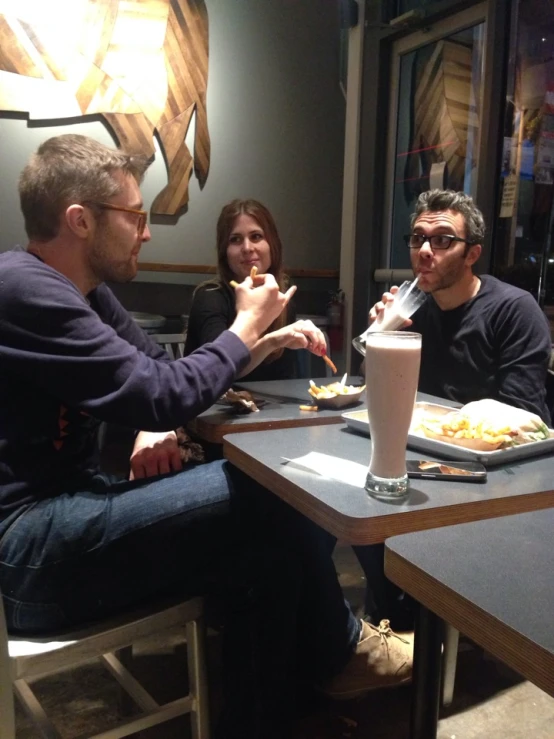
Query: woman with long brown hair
[[247, 237]]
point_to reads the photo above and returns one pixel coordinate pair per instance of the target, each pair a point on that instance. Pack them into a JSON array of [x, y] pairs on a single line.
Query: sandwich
[[485, 425]]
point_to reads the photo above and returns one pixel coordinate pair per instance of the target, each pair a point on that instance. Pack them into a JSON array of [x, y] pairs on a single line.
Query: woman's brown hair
[[262, 216]]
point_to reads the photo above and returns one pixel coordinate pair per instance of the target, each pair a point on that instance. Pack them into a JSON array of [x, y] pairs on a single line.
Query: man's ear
[[79, 220], [473, 254]]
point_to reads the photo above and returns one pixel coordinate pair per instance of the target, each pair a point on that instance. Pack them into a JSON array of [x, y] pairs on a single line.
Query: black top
[[212, 312], [497, 345], [67, 363]]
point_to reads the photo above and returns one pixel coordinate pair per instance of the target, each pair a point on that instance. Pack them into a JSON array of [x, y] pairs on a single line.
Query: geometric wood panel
[[446, 112], [141, 64]]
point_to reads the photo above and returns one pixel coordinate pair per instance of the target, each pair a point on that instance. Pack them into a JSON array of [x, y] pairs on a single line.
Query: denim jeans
[[210, 530]]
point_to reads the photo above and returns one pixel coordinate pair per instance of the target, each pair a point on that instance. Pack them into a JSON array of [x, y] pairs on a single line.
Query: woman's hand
[[154, 454], [299, 335]]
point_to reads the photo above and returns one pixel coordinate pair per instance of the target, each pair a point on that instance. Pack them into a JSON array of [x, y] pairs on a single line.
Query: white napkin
[[334, 468]]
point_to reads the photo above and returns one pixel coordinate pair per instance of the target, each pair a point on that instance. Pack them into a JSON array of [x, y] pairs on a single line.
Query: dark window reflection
[[523, 249]]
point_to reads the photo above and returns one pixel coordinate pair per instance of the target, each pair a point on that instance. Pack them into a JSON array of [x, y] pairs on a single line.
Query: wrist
[[247, 333]]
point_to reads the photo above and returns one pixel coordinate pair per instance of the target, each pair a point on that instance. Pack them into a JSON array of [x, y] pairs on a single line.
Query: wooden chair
[[174, 344], [22, 660]]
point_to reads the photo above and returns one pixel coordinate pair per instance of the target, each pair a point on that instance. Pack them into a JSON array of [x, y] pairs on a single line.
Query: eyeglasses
[[437, 241], [142, 214]]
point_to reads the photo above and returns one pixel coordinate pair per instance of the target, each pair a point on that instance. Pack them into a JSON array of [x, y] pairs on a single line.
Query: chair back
[[174, 344], [22, 661], [7, 710]]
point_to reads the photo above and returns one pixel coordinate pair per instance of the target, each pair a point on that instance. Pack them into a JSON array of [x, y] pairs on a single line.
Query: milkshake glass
[[406, 301], [392, 373]]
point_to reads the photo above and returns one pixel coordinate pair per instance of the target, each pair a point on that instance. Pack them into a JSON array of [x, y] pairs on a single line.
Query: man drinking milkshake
[[481, 338]]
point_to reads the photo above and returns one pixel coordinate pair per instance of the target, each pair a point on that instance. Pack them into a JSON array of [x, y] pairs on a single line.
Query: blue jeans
[[211, 530]]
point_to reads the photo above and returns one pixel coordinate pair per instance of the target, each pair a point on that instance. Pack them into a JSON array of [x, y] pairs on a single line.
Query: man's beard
[[454, 274], [102, 261]]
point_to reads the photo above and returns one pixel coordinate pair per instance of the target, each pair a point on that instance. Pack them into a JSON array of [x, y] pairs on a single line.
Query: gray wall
[[276, 120]]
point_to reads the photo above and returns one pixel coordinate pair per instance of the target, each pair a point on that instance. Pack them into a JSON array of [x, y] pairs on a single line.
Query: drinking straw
[[414, 283]]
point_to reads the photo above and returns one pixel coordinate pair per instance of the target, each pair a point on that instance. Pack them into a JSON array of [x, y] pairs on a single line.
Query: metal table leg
[[427, 675]]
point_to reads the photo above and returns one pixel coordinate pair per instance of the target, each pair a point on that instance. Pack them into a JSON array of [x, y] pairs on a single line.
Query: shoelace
[[384, 633]]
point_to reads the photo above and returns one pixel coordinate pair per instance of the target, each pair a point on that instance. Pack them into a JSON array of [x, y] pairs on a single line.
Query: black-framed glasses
[[142, 214], [437, 241]]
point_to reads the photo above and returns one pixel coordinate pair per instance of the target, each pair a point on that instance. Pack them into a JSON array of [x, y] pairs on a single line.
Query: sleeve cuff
[[235, 348]]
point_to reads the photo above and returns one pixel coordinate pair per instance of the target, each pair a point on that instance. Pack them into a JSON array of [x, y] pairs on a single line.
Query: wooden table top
[[281, 413], [350, 514], [493, 580]]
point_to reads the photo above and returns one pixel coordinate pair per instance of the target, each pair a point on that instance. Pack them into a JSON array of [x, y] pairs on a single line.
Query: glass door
[[524, 235], [434, 119]]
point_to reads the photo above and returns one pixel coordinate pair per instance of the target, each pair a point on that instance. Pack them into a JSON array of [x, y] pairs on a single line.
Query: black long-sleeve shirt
[[68, 362], [496, 345], [212, 312]]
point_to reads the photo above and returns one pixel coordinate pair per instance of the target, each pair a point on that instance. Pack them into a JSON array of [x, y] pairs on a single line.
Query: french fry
[[253, 272], [308, 407], [330, 364]]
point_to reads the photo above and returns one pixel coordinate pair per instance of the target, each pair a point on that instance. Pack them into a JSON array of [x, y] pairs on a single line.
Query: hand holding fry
[[253, 273], [258, 301], [302, 334]]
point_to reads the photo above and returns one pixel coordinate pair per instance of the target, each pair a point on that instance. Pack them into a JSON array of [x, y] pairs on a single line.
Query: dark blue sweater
[[67, 363]]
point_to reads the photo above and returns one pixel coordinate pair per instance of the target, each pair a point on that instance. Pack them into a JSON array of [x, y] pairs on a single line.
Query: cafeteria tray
[[358, 421]]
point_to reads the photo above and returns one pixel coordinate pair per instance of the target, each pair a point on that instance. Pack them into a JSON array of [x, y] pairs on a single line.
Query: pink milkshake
[[392, 373]]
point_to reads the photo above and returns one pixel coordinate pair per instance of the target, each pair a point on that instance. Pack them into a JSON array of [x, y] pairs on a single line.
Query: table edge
[[518, 651], [376, 529], [214, 433]]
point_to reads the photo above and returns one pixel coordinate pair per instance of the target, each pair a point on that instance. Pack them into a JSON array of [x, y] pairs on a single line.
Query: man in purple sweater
[[74, 545]]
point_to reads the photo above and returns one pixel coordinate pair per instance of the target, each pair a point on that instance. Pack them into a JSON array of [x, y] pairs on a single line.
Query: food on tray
[[334, 389], [308, 407], [484, 425]]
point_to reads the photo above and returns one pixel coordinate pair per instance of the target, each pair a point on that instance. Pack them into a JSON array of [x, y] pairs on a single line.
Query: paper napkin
[[333, 468]]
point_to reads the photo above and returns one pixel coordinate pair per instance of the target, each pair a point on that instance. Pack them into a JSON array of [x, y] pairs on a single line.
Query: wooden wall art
[[141, 64], [445, 114]]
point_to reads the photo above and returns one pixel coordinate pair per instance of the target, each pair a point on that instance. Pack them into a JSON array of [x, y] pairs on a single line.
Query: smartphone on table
[[431, 470]]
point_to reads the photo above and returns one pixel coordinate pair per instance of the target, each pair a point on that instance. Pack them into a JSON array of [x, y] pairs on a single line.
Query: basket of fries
[[336, 395]]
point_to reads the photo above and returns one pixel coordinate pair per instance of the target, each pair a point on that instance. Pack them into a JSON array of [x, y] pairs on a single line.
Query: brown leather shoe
[[382, 659]]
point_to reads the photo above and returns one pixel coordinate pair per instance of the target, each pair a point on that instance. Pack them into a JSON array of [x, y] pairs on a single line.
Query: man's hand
[[154, 454], [258, 301], [379, 307]]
